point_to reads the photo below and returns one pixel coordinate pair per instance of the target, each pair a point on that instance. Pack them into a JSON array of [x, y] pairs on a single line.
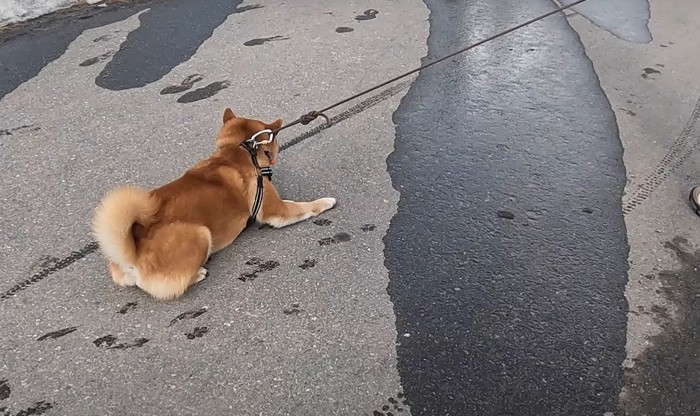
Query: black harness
[[263, 172]]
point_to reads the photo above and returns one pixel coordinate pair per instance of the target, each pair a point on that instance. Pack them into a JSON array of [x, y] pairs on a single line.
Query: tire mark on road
[[676, 155], [48, 271]]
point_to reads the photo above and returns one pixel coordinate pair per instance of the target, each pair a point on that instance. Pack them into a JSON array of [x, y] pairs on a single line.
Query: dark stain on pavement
[[661, 381], [368, 227], [368, 14], [105, 341], [110, 342], [197, 332], [261, 41], [393, 406], [323, 222], [130, 306], [307, 264], [261, 267], [4, 389], [169, 34], [104, 38], [188, 315], [96, 59], [650, 71], [137, 343], [185, 85], [204, 92], [38, 408], [338, 238], [293, 310], [57, 334]]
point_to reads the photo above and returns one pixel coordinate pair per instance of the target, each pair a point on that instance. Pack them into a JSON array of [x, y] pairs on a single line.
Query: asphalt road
[[507, 254], [483, 256]]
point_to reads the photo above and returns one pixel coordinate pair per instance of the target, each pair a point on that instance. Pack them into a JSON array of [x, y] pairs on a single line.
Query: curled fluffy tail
[[114, 219]]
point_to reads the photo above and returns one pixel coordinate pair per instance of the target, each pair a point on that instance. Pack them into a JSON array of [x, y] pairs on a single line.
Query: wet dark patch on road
[[126, 308], [24, 56], [494, 316], [661, 381], [188, 315], [204, 92], [648, 72], [307, 264], [96, 59], [197, 332], [185, 85], [57, 334], [106, 37], [38, 408], [109, 342], [4, 389], [168, 35], [368, 14], [393, 406], [368, 227], [323, 222], [261, 267], [338, 238], [293, 310], [261, 41]]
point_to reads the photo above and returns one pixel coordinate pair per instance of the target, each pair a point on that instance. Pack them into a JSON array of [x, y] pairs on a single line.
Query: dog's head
[[236, 130]]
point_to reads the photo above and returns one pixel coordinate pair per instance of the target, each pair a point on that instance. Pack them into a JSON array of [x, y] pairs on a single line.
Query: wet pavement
[[505, 261], [499, 247]]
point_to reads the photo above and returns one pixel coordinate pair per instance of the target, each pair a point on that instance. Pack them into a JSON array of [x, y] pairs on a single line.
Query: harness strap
[[265, 171]]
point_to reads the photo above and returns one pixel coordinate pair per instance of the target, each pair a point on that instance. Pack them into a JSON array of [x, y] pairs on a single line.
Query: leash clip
[[255, 144]]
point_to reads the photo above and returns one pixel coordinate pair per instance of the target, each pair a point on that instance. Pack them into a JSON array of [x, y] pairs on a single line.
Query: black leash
[[313, 115]]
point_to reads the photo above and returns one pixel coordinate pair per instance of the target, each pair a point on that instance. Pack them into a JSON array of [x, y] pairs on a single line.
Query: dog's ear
[[275, 124], [228, 115]]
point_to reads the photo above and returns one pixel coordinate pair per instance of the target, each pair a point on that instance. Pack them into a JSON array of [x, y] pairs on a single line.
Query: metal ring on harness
[[270, 140]]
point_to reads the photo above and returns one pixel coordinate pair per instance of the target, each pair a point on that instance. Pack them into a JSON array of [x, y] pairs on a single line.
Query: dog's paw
[[327, 203], [202, 274]]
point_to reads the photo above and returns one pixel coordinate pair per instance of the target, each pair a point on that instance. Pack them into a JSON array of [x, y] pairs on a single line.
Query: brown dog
[[159, 240]]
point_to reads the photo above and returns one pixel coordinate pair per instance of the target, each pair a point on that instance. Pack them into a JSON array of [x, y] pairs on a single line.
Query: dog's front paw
[[326, 204]]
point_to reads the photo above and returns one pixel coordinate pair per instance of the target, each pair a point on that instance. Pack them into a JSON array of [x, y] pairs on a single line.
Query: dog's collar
[[265, 171]]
